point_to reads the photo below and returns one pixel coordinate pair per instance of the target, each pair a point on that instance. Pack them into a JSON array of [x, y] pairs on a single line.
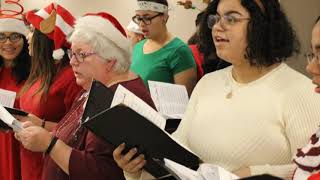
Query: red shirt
[[9, 146], [61, 95], [91, 157], [198, 57]]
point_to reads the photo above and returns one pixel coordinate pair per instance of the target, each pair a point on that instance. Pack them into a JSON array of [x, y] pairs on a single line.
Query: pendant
[[229, 95]]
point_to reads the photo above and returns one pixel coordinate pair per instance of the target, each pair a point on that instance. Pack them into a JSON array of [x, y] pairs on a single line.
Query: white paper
[[124, 96], [170, 99], [181, 171], [7, 98], [205, 172]]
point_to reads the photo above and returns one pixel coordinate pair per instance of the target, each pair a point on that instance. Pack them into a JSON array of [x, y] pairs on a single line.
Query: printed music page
[[171, 100], [7, 98], [126, 97]]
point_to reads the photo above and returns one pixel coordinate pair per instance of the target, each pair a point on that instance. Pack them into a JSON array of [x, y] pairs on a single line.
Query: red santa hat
[[56, 22], [98, 25]]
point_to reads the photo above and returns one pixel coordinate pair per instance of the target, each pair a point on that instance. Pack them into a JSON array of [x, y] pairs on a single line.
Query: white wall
[[181, 21]]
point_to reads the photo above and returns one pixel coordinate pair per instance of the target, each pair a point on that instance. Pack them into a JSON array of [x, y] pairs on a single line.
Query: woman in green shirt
[[161, 56]]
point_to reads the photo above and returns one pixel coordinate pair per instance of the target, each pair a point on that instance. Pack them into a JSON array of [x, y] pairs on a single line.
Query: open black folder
[[12, 111], [100, 98], [122, 124]]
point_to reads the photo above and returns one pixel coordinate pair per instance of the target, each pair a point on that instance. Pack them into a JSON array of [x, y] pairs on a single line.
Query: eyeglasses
[[79, 56], [311, 56], [14, 37], [226, 20], [146, 20]]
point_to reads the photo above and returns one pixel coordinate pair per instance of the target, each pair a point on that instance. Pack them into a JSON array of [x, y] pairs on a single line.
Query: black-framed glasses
[[14, 37], [146, 20], [226, 20], [79, 56], [313, 56]]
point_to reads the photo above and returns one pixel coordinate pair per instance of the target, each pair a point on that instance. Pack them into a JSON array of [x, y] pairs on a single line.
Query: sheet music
[[124, 96], [171, 99], [205, 172], [7, 98], [181, 171]]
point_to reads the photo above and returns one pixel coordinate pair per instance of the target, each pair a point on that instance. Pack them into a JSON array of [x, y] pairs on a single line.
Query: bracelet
[[43, 123], [51, 145]]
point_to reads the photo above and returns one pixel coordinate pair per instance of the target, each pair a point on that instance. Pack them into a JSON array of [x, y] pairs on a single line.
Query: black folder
[[15, 111], [122, 124], [100, 98], [262, 177], [12, 111]]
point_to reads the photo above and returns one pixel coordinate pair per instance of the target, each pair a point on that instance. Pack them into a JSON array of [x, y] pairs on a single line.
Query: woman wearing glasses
[[161, 56], [51, 87], [307, 158], [14, 70], [100, 50], [251, 117]]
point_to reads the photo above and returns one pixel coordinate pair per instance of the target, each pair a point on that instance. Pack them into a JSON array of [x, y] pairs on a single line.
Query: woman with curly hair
[[248, 118]]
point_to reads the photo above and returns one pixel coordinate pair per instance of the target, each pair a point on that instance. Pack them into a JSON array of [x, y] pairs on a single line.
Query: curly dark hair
[[271, 38], [21, 65]]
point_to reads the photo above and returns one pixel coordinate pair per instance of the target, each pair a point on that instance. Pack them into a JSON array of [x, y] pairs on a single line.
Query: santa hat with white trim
[[103, 26], [12, 20], [8, 24], [56, 22]]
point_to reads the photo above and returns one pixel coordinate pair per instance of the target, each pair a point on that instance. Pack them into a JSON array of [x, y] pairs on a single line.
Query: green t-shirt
[[162, 64]]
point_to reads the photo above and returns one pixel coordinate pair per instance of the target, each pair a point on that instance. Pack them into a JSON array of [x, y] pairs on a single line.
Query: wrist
[[52, 143]]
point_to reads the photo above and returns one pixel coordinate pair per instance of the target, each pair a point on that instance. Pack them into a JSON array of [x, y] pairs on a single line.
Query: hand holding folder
[[123, 124], [7, 121]]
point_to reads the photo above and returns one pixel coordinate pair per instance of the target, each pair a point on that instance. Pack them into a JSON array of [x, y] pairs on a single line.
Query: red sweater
[[9, 146], [91, 157], [60, 97]]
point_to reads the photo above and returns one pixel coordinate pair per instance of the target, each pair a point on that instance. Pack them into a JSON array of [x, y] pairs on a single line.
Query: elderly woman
[[100, 50], [251, 117]]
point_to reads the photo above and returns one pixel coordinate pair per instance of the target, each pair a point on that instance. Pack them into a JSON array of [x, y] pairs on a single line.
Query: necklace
[[231, 86]]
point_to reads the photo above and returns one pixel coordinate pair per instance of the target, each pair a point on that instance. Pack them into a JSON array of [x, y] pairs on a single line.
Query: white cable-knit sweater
[[260, 126]]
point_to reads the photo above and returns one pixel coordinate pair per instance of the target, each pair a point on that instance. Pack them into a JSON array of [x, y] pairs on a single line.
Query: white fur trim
[[42, 13], [13, 25], [58, 54], [63, 25], [151, 6], [133, 27], [105, 28]]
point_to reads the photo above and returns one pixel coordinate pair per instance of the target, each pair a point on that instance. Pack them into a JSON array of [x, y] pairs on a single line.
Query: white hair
[[105, 39]]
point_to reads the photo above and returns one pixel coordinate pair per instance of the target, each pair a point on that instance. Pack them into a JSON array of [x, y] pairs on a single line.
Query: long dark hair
[[21, 64], [271, 38], [43, 65]]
